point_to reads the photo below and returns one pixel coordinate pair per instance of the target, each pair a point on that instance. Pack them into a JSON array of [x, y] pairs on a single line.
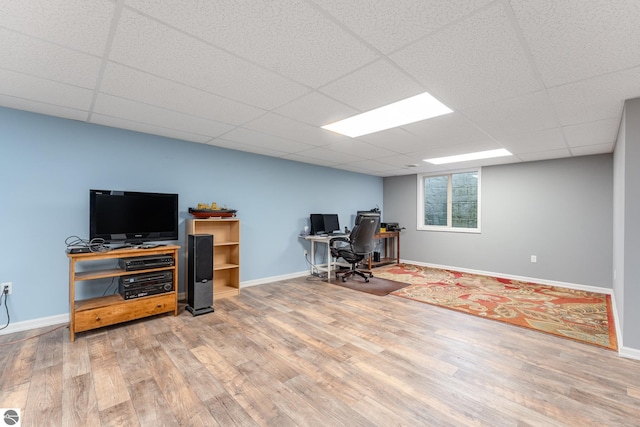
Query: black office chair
[[354, 248]]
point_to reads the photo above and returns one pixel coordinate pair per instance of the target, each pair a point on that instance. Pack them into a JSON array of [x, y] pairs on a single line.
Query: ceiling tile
[[389, 25], [454, 150], [116, 122], [289, 37], [46, 91], [447, 130], [47, 60], [312, 160], [401, 161], [592, 133], [42, 108], [368, 165], [78, 24], [267, 150], [526, 113], [589, 150], [316, 109], [397, 140], [472, 62], [148, 89], [152, 47], [322, 153], [284, 127], [259, 139], [545, 155], [595, 99], [545, 140], [373, 86], [359, 149], [575, 39], [134, 111]]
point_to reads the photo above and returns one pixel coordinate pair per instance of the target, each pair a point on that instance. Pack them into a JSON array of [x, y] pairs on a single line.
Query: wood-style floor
[[301, 352]]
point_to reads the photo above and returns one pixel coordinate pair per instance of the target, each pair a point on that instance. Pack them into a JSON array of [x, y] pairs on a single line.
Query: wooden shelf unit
[[108, 310], [391, 252], [226, 252]]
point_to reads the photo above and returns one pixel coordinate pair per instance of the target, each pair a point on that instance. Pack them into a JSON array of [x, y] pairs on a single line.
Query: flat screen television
[[132, 217]]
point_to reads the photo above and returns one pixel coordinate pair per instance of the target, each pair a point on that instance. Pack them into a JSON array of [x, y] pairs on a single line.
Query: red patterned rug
[[579, 315]]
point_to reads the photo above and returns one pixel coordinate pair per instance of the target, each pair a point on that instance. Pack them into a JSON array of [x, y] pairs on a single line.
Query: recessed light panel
[[470, 156], [410, 110]]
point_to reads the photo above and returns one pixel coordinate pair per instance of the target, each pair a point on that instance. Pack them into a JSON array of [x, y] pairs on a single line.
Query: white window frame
[[448, 228]]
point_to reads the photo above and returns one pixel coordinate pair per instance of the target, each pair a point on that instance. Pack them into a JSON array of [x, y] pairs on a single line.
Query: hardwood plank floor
[[304, 352]]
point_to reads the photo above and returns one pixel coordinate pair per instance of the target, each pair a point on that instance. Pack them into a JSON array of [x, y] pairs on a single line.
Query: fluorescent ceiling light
[[470, 156], [410, 110]]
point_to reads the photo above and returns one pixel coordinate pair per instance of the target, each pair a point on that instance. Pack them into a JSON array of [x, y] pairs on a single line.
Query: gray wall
[[559, 210], [627, 230]]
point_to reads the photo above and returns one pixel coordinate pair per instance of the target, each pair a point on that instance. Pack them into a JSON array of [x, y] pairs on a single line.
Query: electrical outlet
[[306, 253], [534, 258], [8, 286]]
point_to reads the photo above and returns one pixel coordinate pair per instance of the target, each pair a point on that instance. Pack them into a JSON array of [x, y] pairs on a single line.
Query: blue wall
[[48, 165]]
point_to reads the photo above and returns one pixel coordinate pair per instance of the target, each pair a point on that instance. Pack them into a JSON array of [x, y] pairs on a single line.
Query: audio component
[[144, 291], [78, 250], [142, 285], [200, 274], [145, 262], [138, 280]]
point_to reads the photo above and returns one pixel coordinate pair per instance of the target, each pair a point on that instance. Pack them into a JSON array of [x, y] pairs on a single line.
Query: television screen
[[132, 217]]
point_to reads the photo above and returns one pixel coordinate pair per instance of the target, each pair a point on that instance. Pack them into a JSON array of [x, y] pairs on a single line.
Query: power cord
[[5, 294], [93, 245], [316, 275], [33, 336]]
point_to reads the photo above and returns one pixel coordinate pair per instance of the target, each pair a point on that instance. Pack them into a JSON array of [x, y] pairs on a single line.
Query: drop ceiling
[[543, 79]]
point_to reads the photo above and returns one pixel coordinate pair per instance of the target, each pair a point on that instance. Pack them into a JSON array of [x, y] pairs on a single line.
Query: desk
[[326, 241], [391, 254]]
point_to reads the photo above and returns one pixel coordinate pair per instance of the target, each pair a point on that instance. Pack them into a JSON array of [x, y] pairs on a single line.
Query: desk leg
[[313, 256], [329, 261]]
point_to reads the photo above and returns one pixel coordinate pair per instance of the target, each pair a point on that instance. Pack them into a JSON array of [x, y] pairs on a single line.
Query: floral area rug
[[575, 314]]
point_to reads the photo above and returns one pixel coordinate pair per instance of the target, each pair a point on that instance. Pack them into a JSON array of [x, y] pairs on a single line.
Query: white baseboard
[[272, 279], [41, 322], [567, 285], [629, 353]]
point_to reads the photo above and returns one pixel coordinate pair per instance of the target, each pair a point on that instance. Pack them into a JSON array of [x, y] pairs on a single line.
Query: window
[[449, 202]]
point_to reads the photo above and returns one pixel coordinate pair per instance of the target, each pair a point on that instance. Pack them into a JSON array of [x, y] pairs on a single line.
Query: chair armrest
[[338, 239]]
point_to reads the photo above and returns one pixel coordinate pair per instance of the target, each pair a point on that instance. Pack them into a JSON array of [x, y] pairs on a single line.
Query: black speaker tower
[[200, 274]]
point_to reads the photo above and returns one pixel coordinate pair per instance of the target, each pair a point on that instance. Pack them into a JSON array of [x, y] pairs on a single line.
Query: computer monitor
[[331, 223], [317, 223], [324, 223]]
